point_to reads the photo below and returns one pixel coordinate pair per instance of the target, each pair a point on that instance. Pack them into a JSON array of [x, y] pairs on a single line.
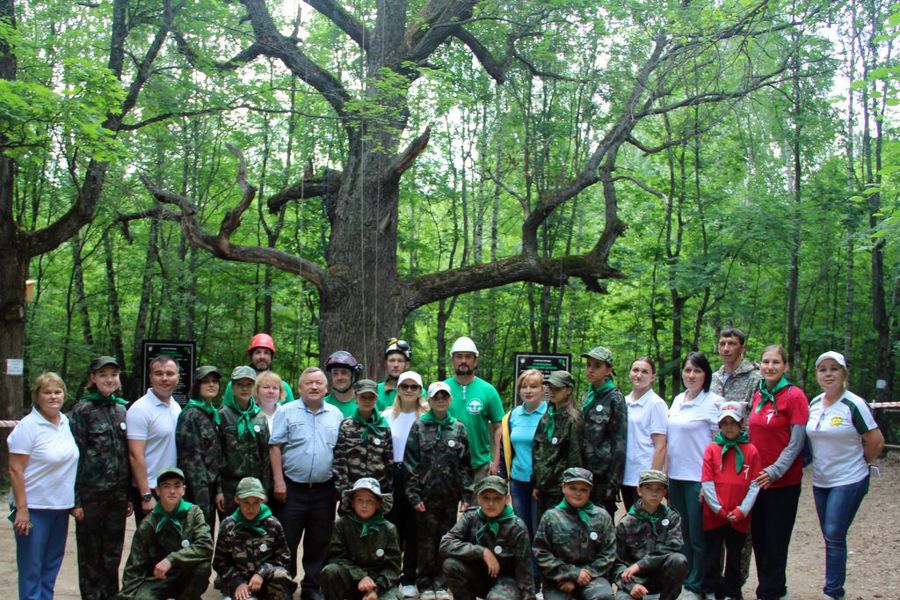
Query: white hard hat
[[464, 344]]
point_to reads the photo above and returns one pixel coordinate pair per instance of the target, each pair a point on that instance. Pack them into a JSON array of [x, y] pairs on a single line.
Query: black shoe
[[311, 594]]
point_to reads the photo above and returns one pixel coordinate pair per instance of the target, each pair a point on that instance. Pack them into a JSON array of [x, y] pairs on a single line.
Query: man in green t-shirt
[[477, 404]]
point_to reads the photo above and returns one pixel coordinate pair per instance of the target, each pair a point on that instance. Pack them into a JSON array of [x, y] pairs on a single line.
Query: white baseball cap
[[410, 375], [438, 386], [835, 356]]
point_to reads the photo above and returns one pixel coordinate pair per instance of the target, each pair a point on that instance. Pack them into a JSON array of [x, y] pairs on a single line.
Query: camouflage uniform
[[603, 442], [656, 547], [550, 459], [564, 545], [352, 556], [464, 569], [242, 552], [244, 455], [439, 473], [197, 439], [363, 449], [102, 483], [189, 551]]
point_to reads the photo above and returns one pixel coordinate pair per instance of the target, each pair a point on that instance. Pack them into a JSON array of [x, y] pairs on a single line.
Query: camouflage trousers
[[180, 583], [99, 537], [467, 580], [598, 589], [665, 580], [205, 498], [277, 588], [431, 525], [336, 583]]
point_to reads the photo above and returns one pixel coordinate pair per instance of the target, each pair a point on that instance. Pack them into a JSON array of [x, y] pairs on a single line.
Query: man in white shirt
[[151, 424]]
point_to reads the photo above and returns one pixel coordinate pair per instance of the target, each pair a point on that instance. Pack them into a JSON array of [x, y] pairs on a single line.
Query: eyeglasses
[[410, 387]]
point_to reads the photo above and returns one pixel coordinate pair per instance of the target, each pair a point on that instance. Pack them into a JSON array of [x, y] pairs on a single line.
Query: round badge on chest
[[376, 441], [451, 443], [498, 549], [599, 408], [379, 553], [185, 543], [664, 522], [257, 428], [555, 440], [594, 535], [123, 426], [263, 547]]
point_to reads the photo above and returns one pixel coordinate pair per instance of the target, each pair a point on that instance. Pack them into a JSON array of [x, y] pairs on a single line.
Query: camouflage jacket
[[437, 469], [363, 450], [564, 544], [549, 458], [246, 455], [603, 442], [197, 438], [192, 547], [468, 539], [739, 386], [376, 554], [242, 553], [645, 543], [99, 430]]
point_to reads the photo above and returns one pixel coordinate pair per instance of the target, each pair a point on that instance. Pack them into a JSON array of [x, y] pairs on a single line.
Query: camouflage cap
[[492, 482], [103, 361], [243, 372], [574, 474], [599, 353], [365, 386], [653, 476], [205, 371], [561, 379], [370, 484], [169, 473], [250, 487]]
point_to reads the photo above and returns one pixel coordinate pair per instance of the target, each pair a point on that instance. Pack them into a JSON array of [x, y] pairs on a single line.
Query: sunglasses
[[409, 387]]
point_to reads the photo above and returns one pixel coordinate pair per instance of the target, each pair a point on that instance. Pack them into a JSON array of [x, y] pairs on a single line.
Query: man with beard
[[477, 404], [397, 359], [261, 350], [344, 370]]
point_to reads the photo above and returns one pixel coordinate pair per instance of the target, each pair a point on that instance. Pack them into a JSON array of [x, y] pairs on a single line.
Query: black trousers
[[403, 517], [308, 514], [713, 580], [773, 522], [100, 537]]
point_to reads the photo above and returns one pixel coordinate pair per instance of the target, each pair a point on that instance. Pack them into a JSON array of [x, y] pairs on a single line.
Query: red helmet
[[261, 340]]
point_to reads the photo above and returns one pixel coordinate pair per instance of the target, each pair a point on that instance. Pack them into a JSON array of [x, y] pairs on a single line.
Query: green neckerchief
[[767, 396], [493, 524], [376, 424], [551, 420], [595, 393], [442, 424], [256, 524], [370, 525], [101, 400], [174, 517], [205, 407], [245, 422], [584, 513], [729, 444], [643, 515]]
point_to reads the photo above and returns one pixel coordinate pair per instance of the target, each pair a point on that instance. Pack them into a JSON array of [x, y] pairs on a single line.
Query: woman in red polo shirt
[[777, 425]]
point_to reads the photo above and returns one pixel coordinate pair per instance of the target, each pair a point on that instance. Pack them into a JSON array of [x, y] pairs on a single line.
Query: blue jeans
[[525, 507], [836, 508], [684, 497], [39, 554]]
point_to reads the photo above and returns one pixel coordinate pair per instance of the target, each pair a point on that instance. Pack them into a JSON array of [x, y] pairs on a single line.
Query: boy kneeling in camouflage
[[648, 544], [487, 552], [171, 549], [364, 555], [575, 545], [252, 556]]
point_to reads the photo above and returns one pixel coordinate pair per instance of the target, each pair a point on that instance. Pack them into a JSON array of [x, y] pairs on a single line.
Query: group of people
[[399, 462]]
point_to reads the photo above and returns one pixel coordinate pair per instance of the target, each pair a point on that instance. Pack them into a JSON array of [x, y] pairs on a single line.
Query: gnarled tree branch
[[406, 158], [308, 187], [344, 20]]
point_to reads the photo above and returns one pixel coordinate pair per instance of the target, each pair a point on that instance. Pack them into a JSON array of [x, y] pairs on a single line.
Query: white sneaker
[[409, 591], [442, 595], [689, 595], [427, 595]]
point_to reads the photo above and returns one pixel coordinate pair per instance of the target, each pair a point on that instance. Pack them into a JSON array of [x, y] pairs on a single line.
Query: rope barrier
[[884, 405]]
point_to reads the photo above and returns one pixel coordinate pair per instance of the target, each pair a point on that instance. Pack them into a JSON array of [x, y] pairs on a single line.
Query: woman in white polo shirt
[[693, 421], [43, 461], [647, 418], [844, 439]]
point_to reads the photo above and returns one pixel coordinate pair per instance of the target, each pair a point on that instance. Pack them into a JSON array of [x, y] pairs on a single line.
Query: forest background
[[542, 176]]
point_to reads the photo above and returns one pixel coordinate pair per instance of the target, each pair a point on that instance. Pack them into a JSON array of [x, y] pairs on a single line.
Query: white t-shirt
[[52, 460], [271, 418], [646, 416], [835, 433], [400, 426], [692, 426], [153, 421]]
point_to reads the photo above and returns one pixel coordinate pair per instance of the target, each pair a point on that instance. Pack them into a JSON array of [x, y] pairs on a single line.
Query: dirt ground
[[873, 567]]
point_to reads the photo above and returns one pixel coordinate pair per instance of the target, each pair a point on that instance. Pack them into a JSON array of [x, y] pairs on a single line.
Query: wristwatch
[[147, 497]]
